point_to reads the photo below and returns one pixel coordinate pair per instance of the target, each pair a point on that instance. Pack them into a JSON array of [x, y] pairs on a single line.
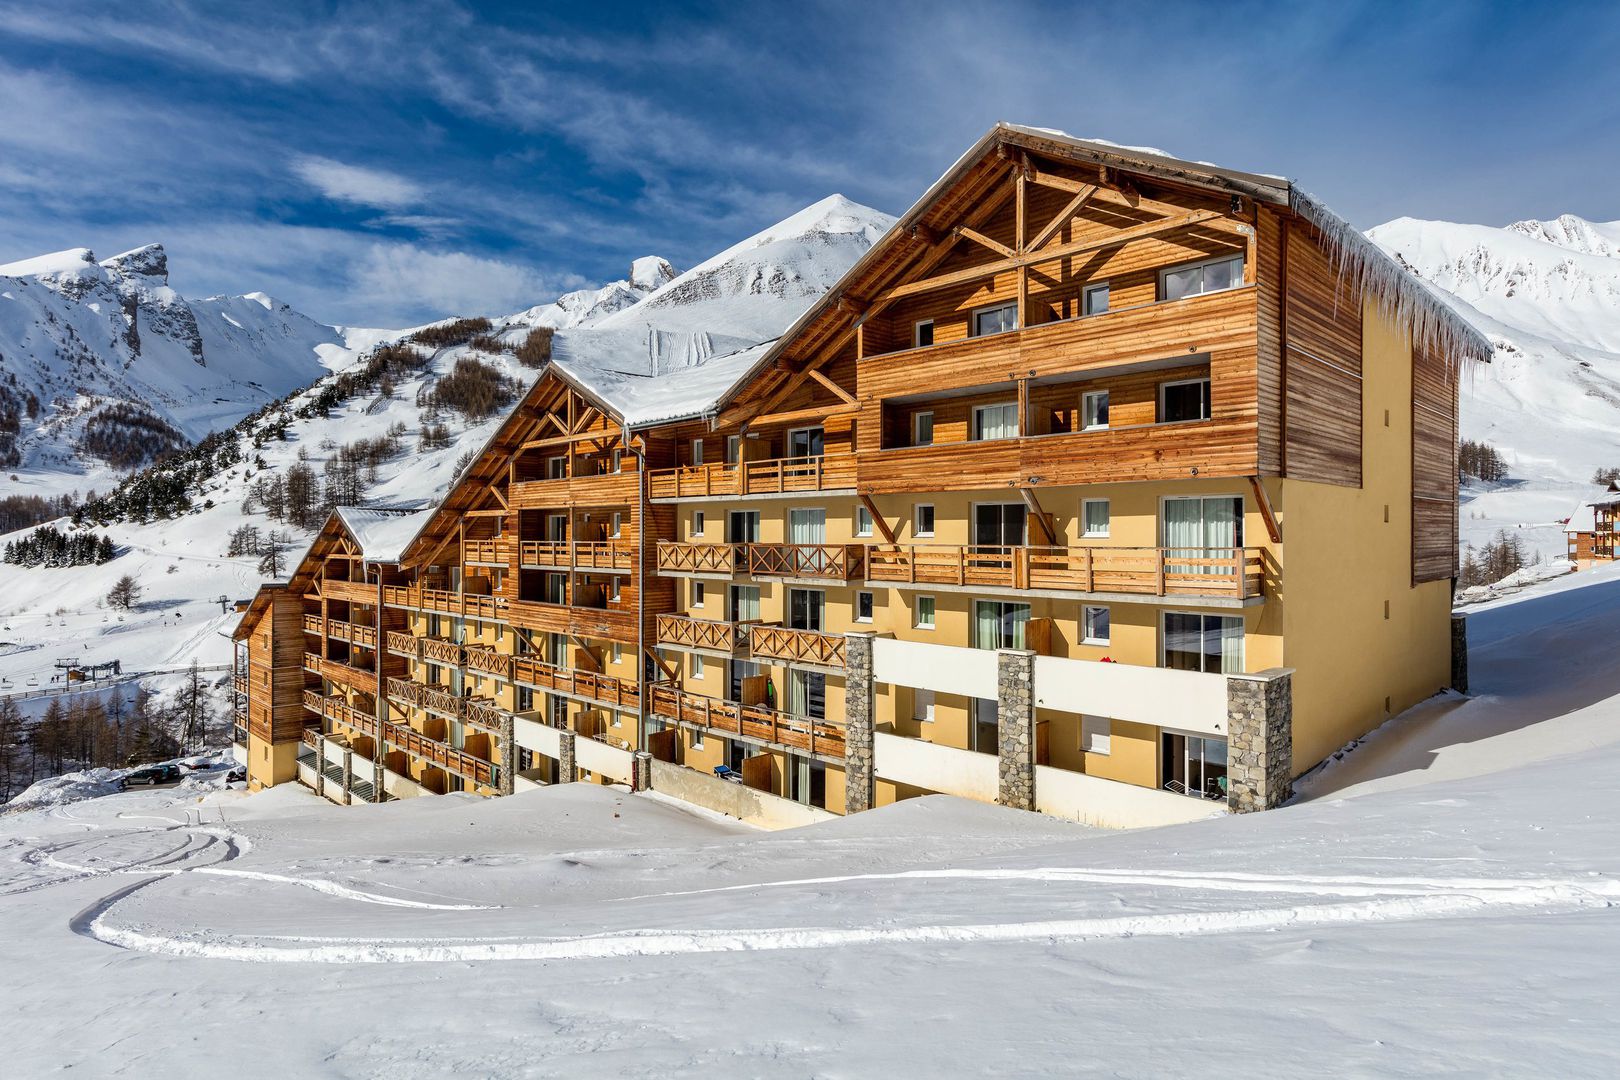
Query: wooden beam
[[1062, 183], [1123, 236], [1042, 518], [668, 671], [985, 241], [1269, 516], [1023, 406], [434, 554], [1062, 218], [585, 418], [842, 394], [813, 413], [559, 440], [495, 491], [877, 518]]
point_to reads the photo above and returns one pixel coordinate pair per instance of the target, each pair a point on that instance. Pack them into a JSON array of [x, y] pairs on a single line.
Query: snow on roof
[[382, 534], [1584, 519], [680, 394]]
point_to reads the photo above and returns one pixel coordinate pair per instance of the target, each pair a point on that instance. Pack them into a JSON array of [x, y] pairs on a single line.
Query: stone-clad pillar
[[1015, 727], [320, 765], [508, 751], [348, 774], [1260, 740], [1459, 653], [860, 709], [641, 771], [567, 772]]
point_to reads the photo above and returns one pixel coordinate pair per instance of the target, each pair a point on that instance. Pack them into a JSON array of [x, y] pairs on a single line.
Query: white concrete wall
[[1191, 701], [306, 774], [401, 787], [936, 768], [735, 800], [949, 669], [540, 738], [239, 754], [333, 752], [608, 761], [1113, 805]]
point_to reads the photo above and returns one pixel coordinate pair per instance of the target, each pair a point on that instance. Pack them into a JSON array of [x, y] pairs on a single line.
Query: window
[[1094, 301], [697, 594], [1094, 409], [998, 624], [863, 521], [1205, 277], [697, 738], [1210, 643], [1096, 734], [1094, 626], [925, 612], [556, 468], [995, 421], [1094, 517], [733, 448], [1198, 527], [806, 609], [995, 320], [922, 333], [922, 429], [618, 653], [697, 523], [744, 603], [618, 461], [922, 705], [613, 588], [804, 442], [617, 525], [697, 451], [1187, 399], [923, 519], [697, 665], [863, 607]]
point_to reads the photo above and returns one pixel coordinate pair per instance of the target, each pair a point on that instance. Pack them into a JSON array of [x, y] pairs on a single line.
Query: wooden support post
[[877, 518], [1269, 516]]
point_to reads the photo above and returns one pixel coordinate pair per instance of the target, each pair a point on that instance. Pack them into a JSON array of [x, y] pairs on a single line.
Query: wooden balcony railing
[[338, 672], [688, 633], [1214, 572], [403, 644], [773, 476], [239, 683], [357, 592], [492, 550], [466, 605], [334, 708], [837, 561], [402, 737], [440, 651], [820, 737], [600, 555], [607, 689], [795, 646], [314, 624], [354, 633], [489, 662], [480, 712]]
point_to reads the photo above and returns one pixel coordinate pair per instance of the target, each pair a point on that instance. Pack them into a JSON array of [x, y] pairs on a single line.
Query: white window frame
[[973, 318], [616, 524], [1166, 271], [871, 602], [698, 522], [1097, 735], [922, 705], [863, 521], [615, 588], [733, 449], [1086, 636], [916, 519], [916, 333], [555, 458], [1086, 399], [697, 738], [1243, 639], [1088, 292], [697, 594], [618, 461], [933, 613], [697, 452], [618, 653], [979, 410], [699, 669], [1205, 380], [1108, 513], [915, 417]]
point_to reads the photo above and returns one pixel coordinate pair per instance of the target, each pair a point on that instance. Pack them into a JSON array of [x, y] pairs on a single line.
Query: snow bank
[[68, 788]]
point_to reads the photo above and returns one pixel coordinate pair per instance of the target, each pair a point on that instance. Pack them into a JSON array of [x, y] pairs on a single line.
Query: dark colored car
[[152, 775], [237, 775]]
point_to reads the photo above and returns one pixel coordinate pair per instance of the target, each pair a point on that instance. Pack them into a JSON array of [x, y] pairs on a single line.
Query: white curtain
[[1231, 631], [747, 602], [807, 526]]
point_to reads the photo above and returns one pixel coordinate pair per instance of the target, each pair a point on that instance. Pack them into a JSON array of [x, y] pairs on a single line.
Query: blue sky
[[384, 167]]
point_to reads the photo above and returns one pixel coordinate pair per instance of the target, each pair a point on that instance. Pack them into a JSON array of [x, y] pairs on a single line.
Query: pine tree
[[191, 710], [11, 743], [125, 594]]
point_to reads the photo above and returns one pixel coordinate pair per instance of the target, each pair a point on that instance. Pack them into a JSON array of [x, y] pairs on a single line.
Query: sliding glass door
[[1194, 765], [1201, 528], [1211, 643]]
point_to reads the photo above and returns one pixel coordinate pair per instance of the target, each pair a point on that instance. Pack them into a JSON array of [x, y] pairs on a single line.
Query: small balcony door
[[806, 609], [557, 527], [1194, 765], [807, 694], [804, 442], [742, 603], [1202, 528], [999, 527], [742, 527]]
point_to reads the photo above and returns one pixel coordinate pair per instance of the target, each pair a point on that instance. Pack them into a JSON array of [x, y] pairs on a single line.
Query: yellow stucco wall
[[1343, 563], [271, 763]]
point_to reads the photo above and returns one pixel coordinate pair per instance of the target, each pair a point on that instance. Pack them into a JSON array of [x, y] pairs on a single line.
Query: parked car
[[151, 776], [237, 775]]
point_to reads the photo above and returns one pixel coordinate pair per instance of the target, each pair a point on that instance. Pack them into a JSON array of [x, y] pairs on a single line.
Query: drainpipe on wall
[[641, 599]]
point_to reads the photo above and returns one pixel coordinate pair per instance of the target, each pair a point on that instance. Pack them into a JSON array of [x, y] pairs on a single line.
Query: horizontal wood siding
[[1322, 320], [1434, 467]]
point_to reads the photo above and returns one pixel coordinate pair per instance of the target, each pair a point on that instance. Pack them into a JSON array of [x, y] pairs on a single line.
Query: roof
[[1583, 520], [383, 534], [684, 394], [1405, 297], [256, 608]]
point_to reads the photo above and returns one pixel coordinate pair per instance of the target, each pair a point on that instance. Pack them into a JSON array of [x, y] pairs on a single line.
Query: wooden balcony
[[239, 683], [599, 489], [465, 605], [616, 623], [439, 651], [492, 551], [795, 646], [706, 634], [1205, 572], [401, 737], [573, 555], [606, 689], [336, 709], [402, 644], [774, 476], [333, 671], [354, 633], [837, 562], [821, 738], [355, 592], [479, 712], [489, 662]]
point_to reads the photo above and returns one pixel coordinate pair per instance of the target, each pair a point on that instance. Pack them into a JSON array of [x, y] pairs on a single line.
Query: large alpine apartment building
[[1108, 485]]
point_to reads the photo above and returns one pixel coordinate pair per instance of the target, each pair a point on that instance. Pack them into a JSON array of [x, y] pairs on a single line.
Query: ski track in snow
[[156, 855]]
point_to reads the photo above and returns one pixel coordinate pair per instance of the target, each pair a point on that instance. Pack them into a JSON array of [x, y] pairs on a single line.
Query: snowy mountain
[[653, 320], [1548, 295]]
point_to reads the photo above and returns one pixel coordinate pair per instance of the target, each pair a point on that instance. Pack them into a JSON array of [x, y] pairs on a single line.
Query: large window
[[804, 442], [1185, 399], [1209, 643], [806, 609], [998, 624], [1195, 765], [995, 320], [743, 604], [1204, 277], [807, 525], [1202, 528], [995, 421]]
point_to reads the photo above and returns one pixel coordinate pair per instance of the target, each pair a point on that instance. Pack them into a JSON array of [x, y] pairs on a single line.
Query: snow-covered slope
[[1548, 295]]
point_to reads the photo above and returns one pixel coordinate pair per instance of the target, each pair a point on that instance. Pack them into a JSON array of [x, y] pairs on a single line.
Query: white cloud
[[357, 184], [449, 282]]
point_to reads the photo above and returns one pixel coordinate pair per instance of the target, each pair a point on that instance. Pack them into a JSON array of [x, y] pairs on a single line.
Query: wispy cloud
[[357, 184]]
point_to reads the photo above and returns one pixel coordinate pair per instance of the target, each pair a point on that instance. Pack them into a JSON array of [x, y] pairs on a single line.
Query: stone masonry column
[[1260, 740], [1459, 653], [860, 709], [641, 771], [508, 751], [567, 771], [320, 765], [348, 775], [1015, 727]]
